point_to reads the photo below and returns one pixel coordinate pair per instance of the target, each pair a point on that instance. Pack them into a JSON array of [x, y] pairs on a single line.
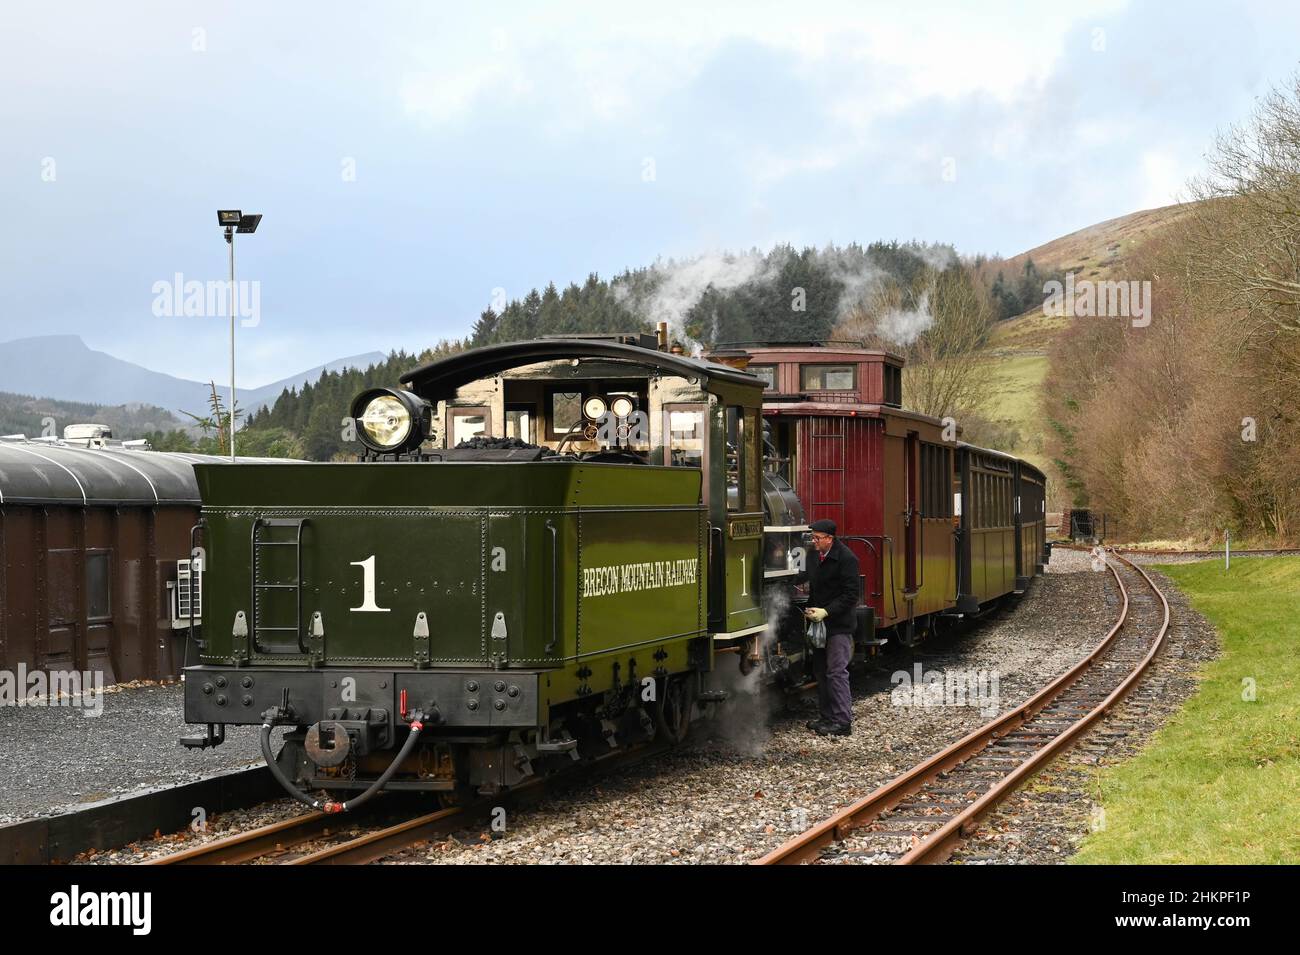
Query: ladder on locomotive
[[269, 586]]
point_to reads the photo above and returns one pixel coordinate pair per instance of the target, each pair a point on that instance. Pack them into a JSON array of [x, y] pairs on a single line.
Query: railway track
[[922, 815], [318, 839]]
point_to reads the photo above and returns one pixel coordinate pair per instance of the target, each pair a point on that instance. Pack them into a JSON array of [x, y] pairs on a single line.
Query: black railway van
[[95, 566]]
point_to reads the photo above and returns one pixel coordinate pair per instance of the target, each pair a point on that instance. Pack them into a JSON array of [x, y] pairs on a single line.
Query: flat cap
[[824, 526]]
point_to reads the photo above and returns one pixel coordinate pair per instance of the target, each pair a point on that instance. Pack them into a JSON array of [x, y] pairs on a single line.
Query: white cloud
[[1164, 179], [879, 57], [445, 96]]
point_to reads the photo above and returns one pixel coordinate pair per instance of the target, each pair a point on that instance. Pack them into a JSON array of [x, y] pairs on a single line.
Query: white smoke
[[678, 287], [741, 723], [904, 326], [855, 272]]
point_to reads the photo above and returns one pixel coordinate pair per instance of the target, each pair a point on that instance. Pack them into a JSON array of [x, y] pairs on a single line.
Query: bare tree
[[939, 325]]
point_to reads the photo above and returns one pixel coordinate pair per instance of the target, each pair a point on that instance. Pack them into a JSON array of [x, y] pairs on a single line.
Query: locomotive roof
[[443, 376], [38, 472]]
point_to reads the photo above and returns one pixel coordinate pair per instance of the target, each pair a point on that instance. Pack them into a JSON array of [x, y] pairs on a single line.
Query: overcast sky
[[411, 158]]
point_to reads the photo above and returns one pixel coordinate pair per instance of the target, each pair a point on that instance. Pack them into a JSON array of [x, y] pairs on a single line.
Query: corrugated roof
[[36, 472]]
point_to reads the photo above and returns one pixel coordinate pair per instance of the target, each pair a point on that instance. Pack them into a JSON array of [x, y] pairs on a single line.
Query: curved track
[[923, 814]]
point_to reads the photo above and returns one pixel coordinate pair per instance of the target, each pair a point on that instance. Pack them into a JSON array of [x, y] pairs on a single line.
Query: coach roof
[[46, 472]]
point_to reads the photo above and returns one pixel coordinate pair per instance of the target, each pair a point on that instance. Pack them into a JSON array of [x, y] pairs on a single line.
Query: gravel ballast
[[53, 758], [734, 793]]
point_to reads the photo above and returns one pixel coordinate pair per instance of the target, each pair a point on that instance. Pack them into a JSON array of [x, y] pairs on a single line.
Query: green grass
[[1220, 783], [1017, 382]]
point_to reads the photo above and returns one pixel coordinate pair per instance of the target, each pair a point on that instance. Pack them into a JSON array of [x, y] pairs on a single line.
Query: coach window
[[684, 426], [935, 469], [98, 603], [467, 423], [893, 385], [827, 377], [767, 373]]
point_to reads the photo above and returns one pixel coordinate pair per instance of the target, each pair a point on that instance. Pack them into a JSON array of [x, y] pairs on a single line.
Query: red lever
[[402, 698]]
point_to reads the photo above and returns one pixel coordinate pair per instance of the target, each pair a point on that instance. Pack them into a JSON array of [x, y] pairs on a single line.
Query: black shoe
[[817, 725], [834, 729]]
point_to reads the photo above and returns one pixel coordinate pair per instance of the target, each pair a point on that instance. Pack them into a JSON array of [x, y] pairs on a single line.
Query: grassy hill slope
[[1017, 350]]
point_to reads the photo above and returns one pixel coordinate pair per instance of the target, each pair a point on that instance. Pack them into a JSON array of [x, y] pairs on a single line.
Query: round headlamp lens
[[622, 407], [594, 408], [386, 421]]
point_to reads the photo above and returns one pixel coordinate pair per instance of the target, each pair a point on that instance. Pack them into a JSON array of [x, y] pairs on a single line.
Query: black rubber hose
[[278, 773], [417, 726]]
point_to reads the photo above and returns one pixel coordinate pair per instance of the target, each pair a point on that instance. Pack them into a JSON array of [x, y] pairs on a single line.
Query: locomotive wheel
[[674, 708]]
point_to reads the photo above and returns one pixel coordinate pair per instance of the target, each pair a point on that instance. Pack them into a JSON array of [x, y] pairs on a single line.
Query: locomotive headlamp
[[622, 406], [594, 407], [391, 421]]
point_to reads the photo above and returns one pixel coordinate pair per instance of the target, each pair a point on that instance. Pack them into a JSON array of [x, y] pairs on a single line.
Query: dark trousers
[[831, 668]]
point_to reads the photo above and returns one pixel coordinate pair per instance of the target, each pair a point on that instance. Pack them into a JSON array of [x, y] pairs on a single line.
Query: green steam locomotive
[[545, 549]]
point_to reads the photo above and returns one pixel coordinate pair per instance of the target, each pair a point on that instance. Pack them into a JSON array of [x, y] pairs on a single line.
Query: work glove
[[816, 614]]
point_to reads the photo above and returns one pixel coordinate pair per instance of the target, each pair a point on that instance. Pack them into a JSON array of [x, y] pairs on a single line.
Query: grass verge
[[1220, 783]]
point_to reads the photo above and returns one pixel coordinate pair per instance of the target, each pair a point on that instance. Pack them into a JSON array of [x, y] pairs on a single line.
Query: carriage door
[[912, 515]]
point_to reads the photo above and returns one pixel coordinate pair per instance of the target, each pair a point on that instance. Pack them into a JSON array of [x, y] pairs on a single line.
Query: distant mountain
[[63, 366]]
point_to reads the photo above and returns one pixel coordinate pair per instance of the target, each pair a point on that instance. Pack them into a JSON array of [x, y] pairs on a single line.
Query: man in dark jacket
[[833, 591]]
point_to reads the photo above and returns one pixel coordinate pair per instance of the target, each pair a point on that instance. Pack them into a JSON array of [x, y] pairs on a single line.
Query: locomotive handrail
[[717, 572], [555, 587]]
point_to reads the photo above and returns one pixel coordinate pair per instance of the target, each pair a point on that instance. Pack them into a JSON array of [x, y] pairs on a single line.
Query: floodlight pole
[[230, 241]]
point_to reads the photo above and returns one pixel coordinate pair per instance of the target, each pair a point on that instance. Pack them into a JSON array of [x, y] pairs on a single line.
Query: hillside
[[1017, 350], [23, 414]]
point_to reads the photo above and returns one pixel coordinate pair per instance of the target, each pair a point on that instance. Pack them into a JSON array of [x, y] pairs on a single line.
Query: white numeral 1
[[368, 587], [744, 577]]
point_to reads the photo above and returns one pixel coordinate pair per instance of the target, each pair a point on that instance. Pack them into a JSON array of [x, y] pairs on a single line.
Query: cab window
[[468, 423], [565, 412], [684, 428], [753, 464], [519, 422], [735, 456]]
